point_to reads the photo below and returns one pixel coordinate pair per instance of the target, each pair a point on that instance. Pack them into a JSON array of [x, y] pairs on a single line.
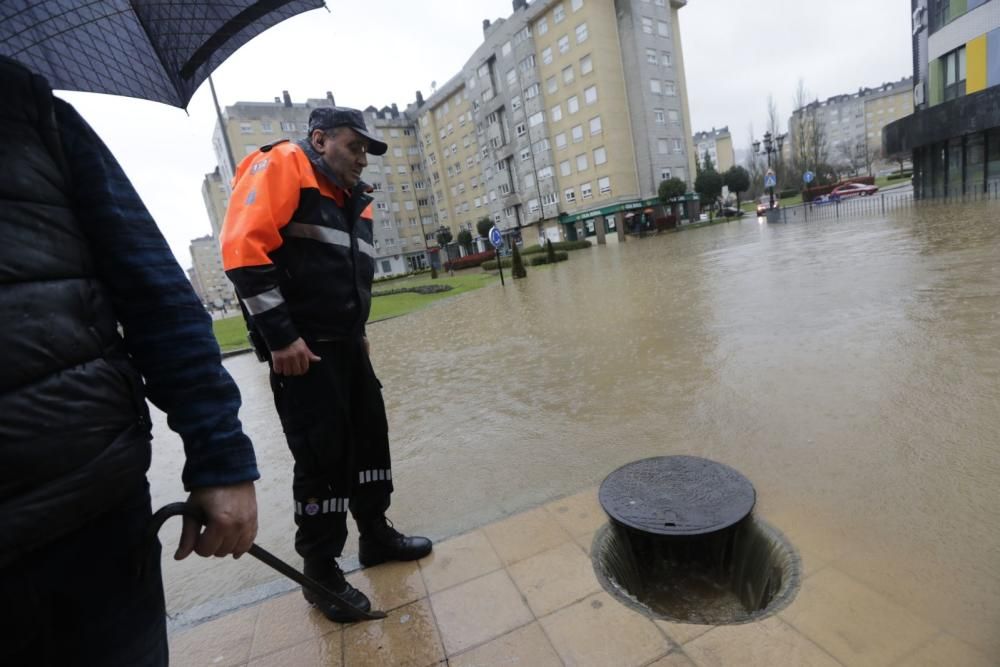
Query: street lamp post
[[771, 145]]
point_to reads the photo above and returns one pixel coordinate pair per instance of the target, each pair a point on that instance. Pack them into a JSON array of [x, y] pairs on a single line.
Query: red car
[[853, 190]]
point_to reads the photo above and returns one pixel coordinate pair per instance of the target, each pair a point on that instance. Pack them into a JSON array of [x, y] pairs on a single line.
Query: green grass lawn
[[232, 334]]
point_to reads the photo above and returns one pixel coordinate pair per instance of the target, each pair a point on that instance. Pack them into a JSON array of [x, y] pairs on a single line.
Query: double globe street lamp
[[771, 145]]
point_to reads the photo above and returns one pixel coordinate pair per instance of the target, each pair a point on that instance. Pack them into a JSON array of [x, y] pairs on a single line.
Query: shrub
[[788, 194], [382, 279], [517, 266], [544, 259], [900, 175], [559, 245], [417, 289], [469, 260]]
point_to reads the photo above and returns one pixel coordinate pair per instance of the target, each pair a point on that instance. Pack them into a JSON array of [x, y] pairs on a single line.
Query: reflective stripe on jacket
[[298, 249]]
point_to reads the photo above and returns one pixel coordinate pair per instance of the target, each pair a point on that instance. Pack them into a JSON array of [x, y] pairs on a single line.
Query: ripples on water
[[850, 368]]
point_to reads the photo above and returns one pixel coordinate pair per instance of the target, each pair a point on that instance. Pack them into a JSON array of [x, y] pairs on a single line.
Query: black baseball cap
[[327, 118]]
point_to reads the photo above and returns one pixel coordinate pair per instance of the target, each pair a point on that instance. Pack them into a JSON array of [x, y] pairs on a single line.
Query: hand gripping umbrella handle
[[261, 554]]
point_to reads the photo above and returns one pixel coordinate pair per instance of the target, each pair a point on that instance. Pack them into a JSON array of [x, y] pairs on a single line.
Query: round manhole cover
[[677, 495]]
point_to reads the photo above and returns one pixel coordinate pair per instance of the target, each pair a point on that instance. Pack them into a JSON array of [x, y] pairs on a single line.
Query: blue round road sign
[[495, 237], [808, 177]]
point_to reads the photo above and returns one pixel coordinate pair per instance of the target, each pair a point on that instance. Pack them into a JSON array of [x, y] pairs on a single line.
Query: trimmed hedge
[[544, 259], [559, 245], [896, 177], [418, 289], [474, 259], [397, 276]]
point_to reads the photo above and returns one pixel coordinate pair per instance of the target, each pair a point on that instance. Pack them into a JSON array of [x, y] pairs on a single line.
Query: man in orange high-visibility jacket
[[297, 244]]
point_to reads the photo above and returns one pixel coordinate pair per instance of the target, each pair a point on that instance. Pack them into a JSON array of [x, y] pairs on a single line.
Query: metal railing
[[879, 203]]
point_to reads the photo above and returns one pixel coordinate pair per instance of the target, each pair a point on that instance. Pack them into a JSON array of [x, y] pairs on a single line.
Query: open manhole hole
[[682, 544]]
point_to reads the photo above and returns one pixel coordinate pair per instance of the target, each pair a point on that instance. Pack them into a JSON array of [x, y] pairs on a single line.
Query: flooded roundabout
[[850, 369]]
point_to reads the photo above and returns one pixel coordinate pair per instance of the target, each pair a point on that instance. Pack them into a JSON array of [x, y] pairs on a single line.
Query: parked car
[[853, 190], [764, 203], [730, 212], [822, 199]]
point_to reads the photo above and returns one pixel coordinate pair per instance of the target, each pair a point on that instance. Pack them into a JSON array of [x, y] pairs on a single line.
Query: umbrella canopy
[[152, 49]]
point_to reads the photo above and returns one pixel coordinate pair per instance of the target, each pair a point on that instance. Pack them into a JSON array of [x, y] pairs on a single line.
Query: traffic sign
[[808, 177], [770, 180], [495, 237]]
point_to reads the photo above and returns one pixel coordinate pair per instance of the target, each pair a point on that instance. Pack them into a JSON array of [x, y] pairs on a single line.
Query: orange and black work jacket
[[298, 248]]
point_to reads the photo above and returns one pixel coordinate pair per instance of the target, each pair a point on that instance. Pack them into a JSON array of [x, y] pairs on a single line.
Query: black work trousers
[[335, 423], [79, 600]]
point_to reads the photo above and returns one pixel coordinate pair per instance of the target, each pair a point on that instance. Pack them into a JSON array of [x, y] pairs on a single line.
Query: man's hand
[[230, 522], [294, 359]]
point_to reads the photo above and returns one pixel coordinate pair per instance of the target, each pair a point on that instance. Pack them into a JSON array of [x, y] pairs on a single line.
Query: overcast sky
[[736, 52]]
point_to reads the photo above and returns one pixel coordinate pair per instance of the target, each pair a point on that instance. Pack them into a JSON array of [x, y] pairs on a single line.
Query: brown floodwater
[[850, 368]]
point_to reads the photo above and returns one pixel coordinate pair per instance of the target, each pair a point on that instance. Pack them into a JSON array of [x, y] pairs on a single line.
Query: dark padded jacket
[[74, 428]]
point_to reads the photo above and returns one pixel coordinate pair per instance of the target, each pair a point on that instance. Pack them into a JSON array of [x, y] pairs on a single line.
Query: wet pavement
[[849, 368]]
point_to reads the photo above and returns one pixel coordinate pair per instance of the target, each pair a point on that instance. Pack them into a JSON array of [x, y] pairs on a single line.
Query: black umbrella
[[157, 50]]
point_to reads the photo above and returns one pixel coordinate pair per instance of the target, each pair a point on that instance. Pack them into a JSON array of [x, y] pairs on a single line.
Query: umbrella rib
[[228, 29], [69, 29]]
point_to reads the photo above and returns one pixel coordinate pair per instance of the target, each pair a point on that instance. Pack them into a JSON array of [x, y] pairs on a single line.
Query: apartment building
[[207, 275], [718, 144], [566, 118], [953, 134], [215, 192], [850, 125]]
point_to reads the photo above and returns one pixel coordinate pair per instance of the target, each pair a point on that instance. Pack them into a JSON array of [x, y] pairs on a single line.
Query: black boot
[[380, 542], [326, 572]]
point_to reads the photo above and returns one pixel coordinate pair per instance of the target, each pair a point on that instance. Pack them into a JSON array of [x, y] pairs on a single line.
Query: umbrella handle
[[261, 554]]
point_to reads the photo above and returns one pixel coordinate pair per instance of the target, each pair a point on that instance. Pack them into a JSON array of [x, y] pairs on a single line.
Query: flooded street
[[849, 368]]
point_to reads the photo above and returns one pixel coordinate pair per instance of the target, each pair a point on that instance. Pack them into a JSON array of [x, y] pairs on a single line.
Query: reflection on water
[[849, 368]]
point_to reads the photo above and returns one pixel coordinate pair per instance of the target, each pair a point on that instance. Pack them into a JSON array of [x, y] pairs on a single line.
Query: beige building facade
[[566, 118], [207, 274], [718, 144]]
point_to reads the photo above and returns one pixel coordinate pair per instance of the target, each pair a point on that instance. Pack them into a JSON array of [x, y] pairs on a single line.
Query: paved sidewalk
[[522, 591]]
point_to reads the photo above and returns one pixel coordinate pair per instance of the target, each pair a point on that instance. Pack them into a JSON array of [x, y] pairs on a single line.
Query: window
[[567, 74], [551, 84], [954, 74], [604, 185], [590, 95], [540, 146], [577, 134], [547, 55], [542, 26], [519, 129], [527, 64], [573, 104], [677, 145], [581, 162], [586, 192], [511, 77], [576, 5], [651, 56], [409, 205], [559, 14], [662, 146], [647, 25], [531, 92], [505, 51], [246, 128], [381, 206], [662, 29], [504, 189], [522, 35], [565, 169], [581, 33], [668, 88], [533, 206], [525, 154], [655, 87], [515, 103], [266, 127], [659, 116], [665, 59], [569, 195], [536, 119], [556, 113], [545, 172], [595, 125], [397, 152], [600, 156], [405, 187], [675, 118], [664, 175], [586, 65], [548, 199]]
